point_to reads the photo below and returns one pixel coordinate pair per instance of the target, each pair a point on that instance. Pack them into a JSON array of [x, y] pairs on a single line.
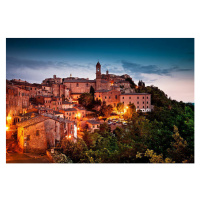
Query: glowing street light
[[7, 127]]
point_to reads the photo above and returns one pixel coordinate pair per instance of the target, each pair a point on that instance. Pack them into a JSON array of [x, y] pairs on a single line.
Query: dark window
[[138, 107], [37, 132], [129, 97], [147, 106], [147, 97], [122, 97], [143, 97], [115, 96], [93, 126], [77, 85], [109, 97], [129, 102], [138, 102], [137, 97], [143, 106], [143, 102], [123, 102], [105, 97], [99, 95], [28, 137], [147, 102]]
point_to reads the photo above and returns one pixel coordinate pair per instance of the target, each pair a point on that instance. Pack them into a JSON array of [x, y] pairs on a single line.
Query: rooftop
[[32, 121], [134, 94], [94, 122], [79, 81]]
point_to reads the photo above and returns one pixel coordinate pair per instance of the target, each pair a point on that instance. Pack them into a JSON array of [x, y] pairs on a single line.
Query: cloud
[[36, 71], [151, 69]]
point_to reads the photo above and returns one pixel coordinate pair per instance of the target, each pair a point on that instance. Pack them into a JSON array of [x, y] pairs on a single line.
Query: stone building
[[111, 97], [17, 102], [43, 132], [142, 101], [74, 113], [92, 125]]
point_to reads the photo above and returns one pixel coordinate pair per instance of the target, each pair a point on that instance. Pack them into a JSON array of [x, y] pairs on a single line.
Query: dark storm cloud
[[16, 63], [151, 69], [13, 63]]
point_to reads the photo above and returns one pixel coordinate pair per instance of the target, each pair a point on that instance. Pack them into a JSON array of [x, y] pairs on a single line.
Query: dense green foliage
[[166, 135], [132, 84]]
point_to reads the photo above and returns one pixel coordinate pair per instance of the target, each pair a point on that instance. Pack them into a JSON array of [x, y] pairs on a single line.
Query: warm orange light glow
[[78, 128], [7, 127], [9, 118], [70, 136], [127, 107]]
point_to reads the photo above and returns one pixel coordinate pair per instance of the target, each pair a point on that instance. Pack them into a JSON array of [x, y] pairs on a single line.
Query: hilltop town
[[39, 116]]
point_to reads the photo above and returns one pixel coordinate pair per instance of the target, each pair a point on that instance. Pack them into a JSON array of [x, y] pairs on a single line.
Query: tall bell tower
[[98, 76], [98, 70]]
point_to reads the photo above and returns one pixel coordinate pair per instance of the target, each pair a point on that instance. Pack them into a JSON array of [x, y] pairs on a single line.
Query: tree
[[130, 112], [106, 110], [85, 99], [120, 107], [179, 150], [92, 91]]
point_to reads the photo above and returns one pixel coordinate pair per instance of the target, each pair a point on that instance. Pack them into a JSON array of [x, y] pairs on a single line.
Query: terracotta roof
[[134, 94], [93, 122], [66, 102], [79, 81], [57, 112], [102, 91], [32, 121], [70, 109]]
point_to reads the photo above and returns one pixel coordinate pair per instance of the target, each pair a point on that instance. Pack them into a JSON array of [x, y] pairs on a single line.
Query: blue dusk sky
[[165, 63]]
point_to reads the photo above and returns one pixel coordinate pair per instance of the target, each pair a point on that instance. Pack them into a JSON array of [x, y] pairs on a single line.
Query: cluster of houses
[[45, 113]]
